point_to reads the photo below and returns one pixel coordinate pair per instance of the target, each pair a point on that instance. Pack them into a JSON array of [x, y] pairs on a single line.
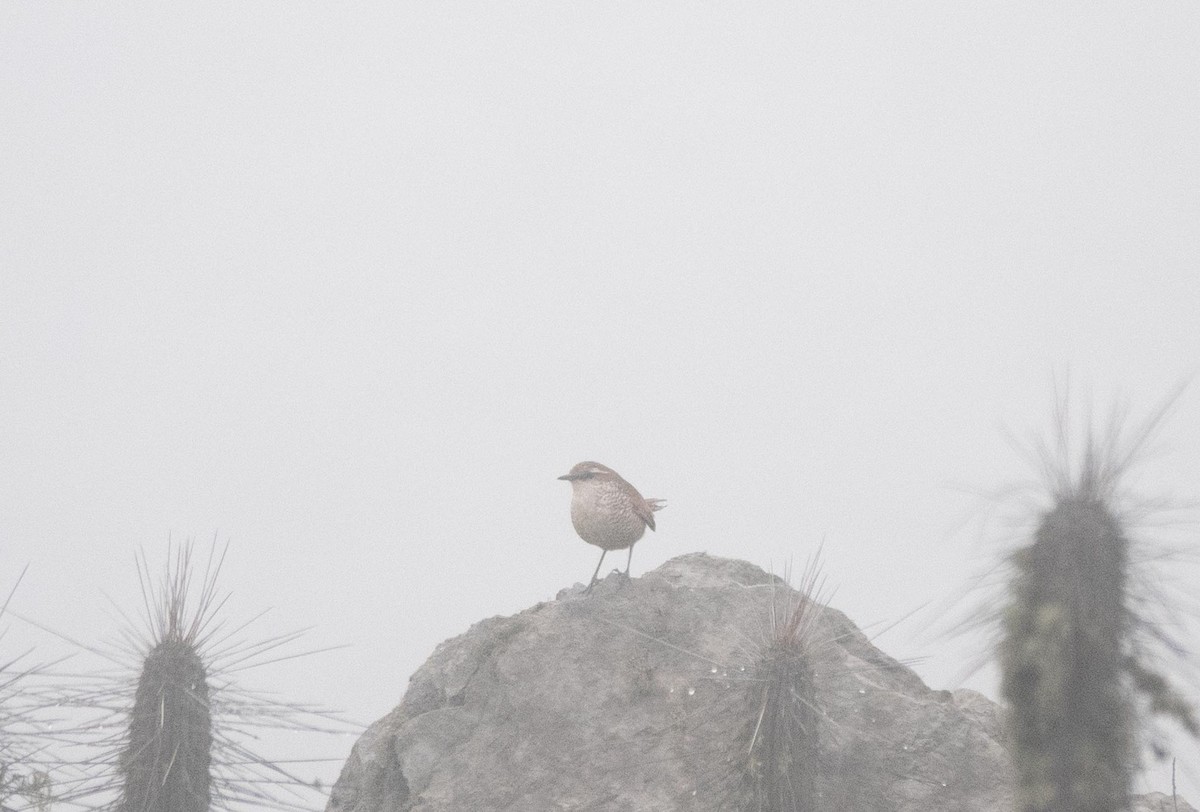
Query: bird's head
[[587, 471]]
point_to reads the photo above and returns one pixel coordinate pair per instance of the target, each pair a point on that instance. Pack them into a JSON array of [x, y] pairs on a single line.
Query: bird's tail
[[656, 504]]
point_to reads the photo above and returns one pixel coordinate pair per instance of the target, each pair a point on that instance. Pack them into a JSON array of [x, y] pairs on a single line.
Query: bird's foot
[[622, 577]]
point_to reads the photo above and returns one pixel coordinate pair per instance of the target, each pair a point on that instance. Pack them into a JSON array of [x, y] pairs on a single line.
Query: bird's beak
[[569, 477]]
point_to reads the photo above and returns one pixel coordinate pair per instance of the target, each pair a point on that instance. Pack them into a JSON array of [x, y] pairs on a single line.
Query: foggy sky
[[349, 288]]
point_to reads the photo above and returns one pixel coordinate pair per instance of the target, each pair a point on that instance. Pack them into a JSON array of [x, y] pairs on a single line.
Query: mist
[[348, 290]]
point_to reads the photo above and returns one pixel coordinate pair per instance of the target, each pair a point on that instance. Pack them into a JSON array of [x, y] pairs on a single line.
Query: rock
[[642, 696], [1158, 802]]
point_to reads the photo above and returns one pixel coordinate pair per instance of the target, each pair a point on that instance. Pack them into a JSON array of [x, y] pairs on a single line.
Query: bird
[[607, 511]]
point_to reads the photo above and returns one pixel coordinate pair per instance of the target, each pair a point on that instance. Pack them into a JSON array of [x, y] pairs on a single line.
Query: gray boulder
[[642, 696]]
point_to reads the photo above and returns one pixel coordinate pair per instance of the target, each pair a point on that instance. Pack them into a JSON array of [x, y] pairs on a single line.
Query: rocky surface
[[1158, 802], [641, 697]]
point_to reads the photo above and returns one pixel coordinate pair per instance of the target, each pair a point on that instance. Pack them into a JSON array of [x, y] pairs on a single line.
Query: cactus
[[22, 731], [783, 750], [1075, 666], [179, 733], [166, 762], [1062, 663]]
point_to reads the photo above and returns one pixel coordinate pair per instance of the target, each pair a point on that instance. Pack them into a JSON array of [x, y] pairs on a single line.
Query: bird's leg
[[596, 573], [628, 560]]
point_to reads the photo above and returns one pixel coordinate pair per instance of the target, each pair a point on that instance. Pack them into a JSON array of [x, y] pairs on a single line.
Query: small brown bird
[[607, 511]]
